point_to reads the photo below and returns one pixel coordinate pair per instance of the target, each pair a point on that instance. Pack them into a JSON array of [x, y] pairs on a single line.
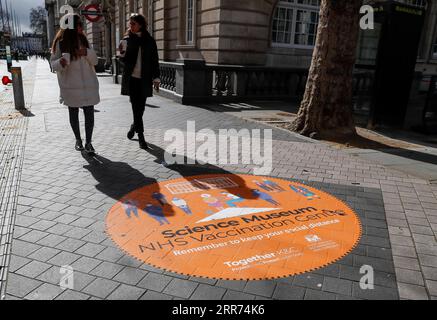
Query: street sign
[[92, 13]]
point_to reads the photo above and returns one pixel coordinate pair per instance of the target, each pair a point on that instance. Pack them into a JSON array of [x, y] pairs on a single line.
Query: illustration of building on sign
[[201, 185]]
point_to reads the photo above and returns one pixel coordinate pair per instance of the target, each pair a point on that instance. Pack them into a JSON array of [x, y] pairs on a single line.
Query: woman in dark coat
[[139, 53]]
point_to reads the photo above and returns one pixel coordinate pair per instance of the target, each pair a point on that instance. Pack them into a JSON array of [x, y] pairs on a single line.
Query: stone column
[[50, 7]]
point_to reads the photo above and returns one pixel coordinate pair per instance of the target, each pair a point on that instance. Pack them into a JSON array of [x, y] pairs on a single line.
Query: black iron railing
[[192, 82]]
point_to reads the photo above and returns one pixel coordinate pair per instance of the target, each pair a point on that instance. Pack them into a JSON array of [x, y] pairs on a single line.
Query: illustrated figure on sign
[[157, 213], [263, 186], [231, 199], [273, 185], [182, 204], [130, 207], [212, 202], [160, 198], [304, 192], [265, 196]]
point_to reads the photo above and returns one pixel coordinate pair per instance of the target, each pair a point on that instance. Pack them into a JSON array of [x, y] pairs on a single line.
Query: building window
[[133, 6], [136, 6], [190, 21], [417, 3], [368, 44], [295, 23], [187, 24]]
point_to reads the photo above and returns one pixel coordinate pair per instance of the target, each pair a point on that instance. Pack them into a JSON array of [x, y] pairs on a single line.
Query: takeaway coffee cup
[[66, 57]]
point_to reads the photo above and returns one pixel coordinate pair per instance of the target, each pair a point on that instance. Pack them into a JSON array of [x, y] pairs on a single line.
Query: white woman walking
[[139, 54], [73, 60]]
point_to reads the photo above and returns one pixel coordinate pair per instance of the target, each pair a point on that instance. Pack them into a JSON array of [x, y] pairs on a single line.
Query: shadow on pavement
[[365, 143], [186, 169], [118, 179], [26, 113], [286, 106]]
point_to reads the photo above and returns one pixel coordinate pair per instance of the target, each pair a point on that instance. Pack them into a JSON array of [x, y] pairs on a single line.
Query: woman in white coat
[[73, 60]]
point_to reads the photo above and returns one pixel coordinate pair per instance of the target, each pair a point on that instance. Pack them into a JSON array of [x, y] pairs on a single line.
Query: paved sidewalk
[[13, 126], [64, 199], [416, 154]]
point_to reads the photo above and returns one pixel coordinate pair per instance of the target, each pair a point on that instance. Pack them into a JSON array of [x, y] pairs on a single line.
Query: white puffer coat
[[78, 83]]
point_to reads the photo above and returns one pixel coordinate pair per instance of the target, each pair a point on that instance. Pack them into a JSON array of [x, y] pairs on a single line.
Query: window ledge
[[291, 46], [186, 46]]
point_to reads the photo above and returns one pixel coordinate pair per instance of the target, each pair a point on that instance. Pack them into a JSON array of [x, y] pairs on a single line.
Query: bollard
[[17, 83]]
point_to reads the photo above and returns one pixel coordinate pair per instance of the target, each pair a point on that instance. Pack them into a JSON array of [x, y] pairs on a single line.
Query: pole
[[17, 83], [50, 23]]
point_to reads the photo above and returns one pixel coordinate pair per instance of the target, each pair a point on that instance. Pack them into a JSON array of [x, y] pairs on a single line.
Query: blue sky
[[22, 9]]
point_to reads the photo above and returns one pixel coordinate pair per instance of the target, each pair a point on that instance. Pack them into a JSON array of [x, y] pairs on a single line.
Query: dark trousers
[[89, 122], [138, 100]]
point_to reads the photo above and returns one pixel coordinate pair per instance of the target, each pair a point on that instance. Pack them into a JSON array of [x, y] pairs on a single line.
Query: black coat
[[150, 62]]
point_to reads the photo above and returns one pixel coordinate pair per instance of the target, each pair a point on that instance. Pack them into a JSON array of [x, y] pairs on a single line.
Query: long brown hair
[[141, 20], [70, 40]]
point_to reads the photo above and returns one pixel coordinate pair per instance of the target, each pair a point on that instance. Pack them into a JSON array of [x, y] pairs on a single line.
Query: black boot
[[131, 132], [142, 141], [90, 149], [79, 145]]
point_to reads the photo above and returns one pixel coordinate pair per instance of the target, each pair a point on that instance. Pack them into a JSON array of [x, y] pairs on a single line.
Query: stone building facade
[[277, 33], [30, 42], [226, 31], [228, 50]]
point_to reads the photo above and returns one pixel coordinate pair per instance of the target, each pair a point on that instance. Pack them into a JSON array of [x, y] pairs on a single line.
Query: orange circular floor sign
[[237, 227]]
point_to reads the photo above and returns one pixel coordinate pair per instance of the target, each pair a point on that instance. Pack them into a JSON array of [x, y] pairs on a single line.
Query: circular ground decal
[[238, 227]]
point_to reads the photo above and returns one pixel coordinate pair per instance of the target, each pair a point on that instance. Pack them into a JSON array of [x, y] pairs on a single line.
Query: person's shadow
[[187, 167], [118, 179], [149, 105]]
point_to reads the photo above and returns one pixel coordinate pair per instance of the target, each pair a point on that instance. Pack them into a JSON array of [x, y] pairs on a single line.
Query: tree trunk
[[326, 108]]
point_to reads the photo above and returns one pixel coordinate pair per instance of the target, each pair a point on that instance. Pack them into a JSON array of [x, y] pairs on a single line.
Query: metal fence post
[[17, 83]]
